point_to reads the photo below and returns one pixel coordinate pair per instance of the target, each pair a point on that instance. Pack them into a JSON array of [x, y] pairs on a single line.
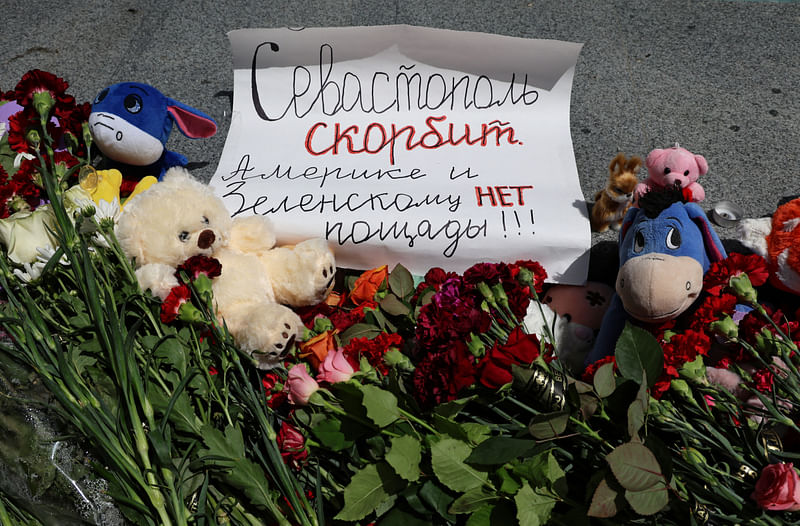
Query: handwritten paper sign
[[408, 145]]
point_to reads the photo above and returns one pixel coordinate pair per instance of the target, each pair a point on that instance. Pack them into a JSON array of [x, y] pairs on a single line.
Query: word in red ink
[[500, 195], [376, 138]]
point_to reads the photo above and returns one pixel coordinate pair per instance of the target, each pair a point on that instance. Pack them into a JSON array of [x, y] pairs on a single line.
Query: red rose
[[292, 444], [778, 488], [520, 348], [588, 373]]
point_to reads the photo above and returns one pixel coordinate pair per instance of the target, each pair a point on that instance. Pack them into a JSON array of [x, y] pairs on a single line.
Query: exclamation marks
[[517, 220]]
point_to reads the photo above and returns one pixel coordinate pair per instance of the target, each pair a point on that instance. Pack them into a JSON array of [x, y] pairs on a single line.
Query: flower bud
[[33, 138], [189, 313], [693, 457], [525, 277], [43, 102], [500, 294], [486, 292], [300, 384], [87, 135], [743, 288], [476, 346], [725, 327]]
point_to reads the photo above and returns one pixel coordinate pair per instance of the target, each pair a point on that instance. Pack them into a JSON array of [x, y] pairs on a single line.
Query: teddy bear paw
[[277, 338]]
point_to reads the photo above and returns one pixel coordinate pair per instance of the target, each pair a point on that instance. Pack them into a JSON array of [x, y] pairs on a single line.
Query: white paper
[[359, 135]]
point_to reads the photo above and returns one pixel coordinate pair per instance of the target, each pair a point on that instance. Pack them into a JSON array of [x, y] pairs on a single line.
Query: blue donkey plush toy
[[665, 247], [130, 122]]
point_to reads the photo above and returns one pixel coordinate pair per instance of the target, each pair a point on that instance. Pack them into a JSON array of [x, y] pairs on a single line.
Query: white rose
[[22, 232]]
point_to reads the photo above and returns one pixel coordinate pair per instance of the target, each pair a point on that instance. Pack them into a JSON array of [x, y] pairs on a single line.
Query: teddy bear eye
[[183, 236], [666, 171], [205, 220], [686, 173]]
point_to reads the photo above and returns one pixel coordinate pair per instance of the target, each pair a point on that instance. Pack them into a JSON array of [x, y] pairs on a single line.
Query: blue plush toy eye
[[673, 238], [100, 96], [638, 242], [133, 103]]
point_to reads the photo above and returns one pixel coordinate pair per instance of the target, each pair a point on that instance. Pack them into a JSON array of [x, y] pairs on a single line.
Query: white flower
[[33, 271], [23, 232]]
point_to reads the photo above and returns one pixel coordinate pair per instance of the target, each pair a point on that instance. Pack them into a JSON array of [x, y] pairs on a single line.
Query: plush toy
[[777, 239], [611, 203], [130, 122], [665, 247], [180, 217], [573, 314], [672, 166]]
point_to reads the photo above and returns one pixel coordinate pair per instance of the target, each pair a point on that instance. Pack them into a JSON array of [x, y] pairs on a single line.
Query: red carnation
[[197, 265], [36, 81], [373, 350], [441, 375], [171, 305], [763, 379], [538, 273], [712, 309], [275, 392], [719, 273], [489, 273]]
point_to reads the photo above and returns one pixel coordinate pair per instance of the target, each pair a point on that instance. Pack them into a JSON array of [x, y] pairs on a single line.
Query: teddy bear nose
[[205, 239]]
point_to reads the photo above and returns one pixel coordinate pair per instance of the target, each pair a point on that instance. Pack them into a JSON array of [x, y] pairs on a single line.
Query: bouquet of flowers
[[409, 400]]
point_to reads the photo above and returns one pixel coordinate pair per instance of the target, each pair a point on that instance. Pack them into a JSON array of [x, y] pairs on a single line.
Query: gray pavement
[[719, 77]]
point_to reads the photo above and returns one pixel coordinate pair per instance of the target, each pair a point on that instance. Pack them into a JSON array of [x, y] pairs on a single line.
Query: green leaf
[[637, 411], [499, 450], [394, 306], [436, 498], [604, 381], [476, 433], [171, 351], [533, 508], [473, 500], [649, 501], [80, 361], [603, 502], [637, 350], [398, 517], [368, 488], [329, 432], [447, 459], [381, 405], [635, 467], [358, 330], [543, 470], [404, 456], [451, 409], [548, 425], [482, 517], [401, 282]]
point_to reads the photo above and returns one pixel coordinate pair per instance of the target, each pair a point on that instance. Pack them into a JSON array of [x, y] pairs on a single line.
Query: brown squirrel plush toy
[[611, 203]]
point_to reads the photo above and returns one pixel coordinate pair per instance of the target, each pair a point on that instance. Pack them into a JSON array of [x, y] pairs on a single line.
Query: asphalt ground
[[719, 77]]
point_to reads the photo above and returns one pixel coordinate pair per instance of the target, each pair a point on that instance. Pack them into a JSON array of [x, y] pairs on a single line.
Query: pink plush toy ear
[[701, 164], [654, 159], [191, 122]]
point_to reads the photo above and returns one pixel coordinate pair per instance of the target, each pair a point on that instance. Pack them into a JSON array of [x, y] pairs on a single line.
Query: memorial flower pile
[[408, 400]]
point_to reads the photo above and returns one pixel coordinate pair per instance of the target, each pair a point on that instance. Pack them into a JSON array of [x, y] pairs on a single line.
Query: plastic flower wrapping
[[409, 400]]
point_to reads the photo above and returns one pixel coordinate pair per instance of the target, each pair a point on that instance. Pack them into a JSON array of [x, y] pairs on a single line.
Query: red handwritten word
[[502, 195], [375, 138]]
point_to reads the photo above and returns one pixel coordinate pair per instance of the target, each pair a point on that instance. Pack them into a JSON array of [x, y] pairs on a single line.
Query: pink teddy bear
[[665, 167]]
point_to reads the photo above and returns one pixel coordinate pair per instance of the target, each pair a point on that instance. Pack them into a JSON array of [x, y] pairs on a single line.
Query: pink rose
[[301, 385], [335, 368], [778, 488]]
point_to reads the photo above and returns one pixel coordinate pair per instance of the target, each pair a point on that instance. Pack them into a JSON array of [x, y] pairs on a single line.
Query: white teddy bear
[[181, 217]]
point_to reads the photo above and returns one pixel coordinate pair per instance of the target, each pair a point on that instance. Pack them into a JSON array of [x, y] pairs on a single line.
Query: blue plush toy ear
[[714, 248], [191, 122]]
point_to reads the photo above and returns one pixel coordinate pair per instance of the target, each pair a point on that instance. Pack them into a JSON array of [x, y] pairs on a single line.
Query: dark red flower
[[763, 379], [683, 348], [292, 445], [712, 309], [35, 81], [433, 280], [519, 349], [519, 298], [275, 391], [171, 305], [441, 375], [17, 193], [539, 274], [373, 350], [197, 265], [489, 273], [720, 272]]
